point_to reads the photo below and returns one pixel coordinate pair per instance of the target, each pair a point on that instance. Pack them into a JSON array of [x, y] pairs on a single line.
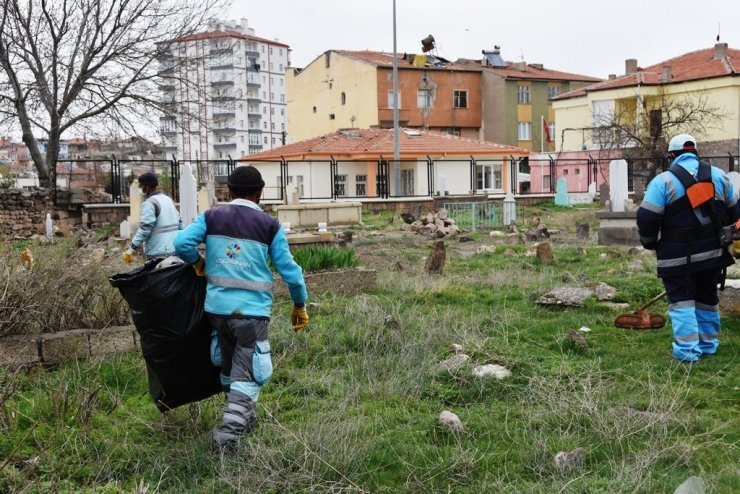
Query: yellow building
[[704, 80]]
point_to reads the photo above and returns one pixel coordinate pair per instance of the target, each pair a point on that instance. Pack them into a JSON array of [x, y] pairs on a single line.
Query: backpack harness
[[699, 191]]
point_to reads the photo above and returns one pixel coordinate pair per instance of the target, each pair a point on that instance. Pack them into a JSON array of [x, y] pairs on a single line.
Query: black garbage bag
[[167, 308]]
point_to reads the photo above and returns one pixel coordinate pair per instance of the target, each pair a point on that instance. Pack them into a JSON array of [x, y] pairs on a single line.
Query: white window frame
[[460, 98], [523, 94], [390, 99], [424, 98], [524, 131]]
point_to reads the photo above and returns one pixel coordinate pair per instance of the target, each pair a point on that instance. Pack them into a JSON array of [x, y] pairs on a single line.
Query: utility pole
[[396, 164]]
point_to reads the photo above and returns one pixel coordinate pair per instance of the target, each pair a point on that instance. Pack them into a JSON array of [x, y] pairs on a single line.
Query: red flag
[[546, 130]]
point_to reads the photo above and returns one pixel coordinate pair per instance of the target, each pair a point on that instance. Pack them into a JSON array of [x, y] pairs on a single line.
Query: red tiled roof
[[692, 66], [513, 70], [383, 59], [372, 143], [225, 34]]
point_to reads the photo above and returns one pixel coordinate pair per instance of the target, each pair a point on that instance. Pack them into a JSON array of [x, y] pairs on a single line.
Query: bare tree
[[86, 64], [641, 127]]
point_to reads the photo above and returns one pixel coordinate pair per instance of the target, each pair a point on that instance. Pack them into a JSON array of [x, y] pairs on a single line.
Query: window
[[524, 131], [488, 176], [565, 171], [265, 140], [460, 99], [273, 141], [282, 98], [331, 116], [339, 185], [553, 91], [282, 111], [314, 109], [577, 171], [424, 98], [360, 185], [551, 129], [407, 182], [272, 125], [453, 131], [343, 98], [272, 110], [390, 99], [546, 183], [523, 95]]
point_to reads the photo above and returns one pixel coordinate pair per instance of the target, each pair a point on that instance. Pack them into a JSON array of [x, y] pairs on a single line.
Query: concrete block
[[112, 340], [17, 351], [57, 347]]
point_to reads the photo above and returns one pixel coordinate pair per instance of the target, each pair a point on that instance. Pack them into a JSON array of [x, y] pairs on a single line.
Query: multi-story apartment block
[[516, 100], [225, 93], [354, 89]]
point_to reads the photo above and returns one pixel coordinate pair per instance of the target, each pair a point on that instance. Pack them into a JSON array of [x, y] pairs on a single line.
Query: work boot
[[240, 416]]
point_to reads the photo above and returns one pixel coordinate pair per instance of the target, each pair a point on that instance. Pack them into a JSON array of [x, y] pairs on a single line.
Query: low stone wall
[[23, 211], [53, 348]]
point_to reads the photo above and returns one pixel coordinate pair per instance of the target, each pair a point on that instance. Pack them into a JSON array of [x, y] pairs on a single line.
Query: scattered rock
[[578, 341], [602, 291], [544, 253], [485, 248], [567, 461], [496, 233], [391, 322], [435, 263], [97, 255], [635, 266], [584, 329], [692, 485], [450, 421], [313, 306], [537, 234], [454, 362], [582, 230], [437, 225], [491, 370], [408, 218], [455, 348], [465, 238], [565, 296]]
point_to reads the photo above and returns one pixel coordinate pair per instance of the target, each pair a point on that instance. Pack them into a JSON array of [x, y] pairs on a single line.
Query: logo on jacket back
[[233, 251]]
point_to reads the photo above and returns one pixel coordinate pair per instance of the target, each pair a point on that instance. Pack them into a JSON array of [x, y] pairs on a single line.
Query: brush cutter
[[641, 319]]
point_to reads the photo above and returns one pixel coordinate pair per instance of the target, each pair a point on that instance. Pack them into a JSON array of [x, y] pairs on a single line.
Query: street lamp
[[396, 164]]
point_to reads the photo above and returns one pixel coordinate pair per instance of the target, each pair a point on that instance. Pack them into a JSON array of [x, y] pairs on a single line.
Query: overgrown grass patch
[[354, 401]]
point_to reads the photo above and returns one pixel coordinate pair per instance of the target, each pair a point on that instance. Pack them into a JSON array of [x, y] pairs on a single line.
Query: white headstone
[[286, 227], [322, 227], [618, 190], [509, 209], [289, 195], [592, 190], [136, 197], [49, 227], [188, 195], [125, 230]]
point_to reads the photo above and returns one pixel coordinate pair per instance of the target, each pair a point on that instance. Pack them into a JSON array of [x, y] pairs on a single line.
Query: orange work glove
[[200, 266], [299, 318], [128, 256]]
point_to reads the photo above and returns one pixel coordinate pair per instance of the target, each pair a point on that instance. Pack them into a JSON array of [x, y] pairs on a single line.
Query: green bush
[[313, 258]]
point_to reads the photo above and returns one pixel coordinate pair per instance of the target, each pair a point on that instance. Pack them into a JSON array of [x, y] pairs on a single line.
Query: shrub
[[313, 258]]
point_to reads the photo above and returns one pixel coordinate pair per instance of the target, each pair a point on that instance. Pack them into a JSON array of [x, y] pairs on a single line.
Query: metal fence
[[357, 180], [484, 215]]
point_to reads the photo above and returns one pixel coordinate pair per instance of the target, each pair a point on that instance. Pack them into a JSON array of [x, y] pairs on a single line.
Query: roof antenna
[[718, 30], [521, 53]]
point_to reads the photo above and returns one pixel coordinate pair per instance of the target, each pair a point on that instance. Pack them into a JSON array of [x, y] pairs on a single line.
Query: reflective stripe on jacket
[[158, 225]]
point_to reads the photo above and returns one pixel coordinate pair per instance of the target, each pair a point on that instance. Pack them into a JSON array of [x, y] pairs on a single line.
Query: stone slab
[[112, 340], [17, 351], [57, 347]]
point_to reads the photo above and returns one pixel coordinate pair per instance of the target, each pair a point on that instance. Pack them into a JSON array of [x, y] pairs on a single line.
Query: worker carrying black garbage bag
[[681, 217], [239, 239]]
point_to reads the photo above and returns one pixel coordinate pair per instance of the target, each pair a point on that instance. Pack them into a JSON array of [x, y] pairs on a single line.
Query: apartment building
[[354, 89], [224, 93]]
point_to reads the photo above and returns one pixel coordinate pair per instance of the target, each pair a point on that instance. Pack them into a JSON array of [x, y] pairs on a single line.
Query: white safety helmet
[[682, 142]]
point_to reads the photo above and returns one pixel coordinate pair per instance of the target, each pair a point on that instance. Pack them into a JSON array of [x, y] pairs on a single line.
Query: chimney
[[612, 77], [720, 51], [667, 74], [538, 66], [630, 66], [521, 66]]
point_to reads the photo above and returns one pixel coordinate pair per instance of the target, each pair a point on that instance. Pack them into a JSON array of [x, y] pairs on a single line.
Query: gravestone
[[618, 184], [561, 193], [639, 192], [603, 195], [509, 209], [435, 263], [188, 195], [136, 197]]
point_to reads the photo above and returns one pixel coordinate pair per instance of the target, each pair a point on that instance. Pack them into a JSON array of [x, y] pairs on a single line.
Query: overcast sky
[[589, 37]]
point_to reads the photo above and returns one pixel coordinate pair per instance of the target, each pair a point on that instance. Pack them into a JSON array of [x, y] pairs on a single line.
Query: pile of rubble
[[432, 225]]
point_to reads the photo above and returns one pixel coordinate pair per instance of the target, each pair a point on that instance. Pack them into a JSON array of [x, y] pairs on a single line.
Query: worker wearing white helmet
[[680, 218]]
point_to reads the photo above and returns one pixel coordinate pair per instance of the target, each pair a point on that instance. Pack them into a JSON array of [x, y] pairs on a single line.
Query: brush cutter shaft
[[651, 302]]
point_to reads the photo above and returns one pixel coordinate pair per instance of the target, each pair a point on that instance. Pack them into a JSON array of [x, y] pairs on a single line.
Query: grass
[[319, 258], [354, 400]]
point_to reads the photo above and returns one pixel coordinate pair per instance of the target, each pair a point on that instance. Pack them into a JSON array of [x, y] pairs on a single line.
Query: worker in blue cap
[[681, 217], [158, 224]]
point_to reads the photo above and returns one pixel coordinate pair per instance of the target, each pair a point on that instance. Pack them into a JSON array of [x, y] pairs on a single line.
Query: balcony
[[221, 65], [221, 51], [224, 131], [255, 116], [252, 53], [224, 114], [253, 99], [223, 98], [253, 85], [224, 145], [222, 82], [255, 131]]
